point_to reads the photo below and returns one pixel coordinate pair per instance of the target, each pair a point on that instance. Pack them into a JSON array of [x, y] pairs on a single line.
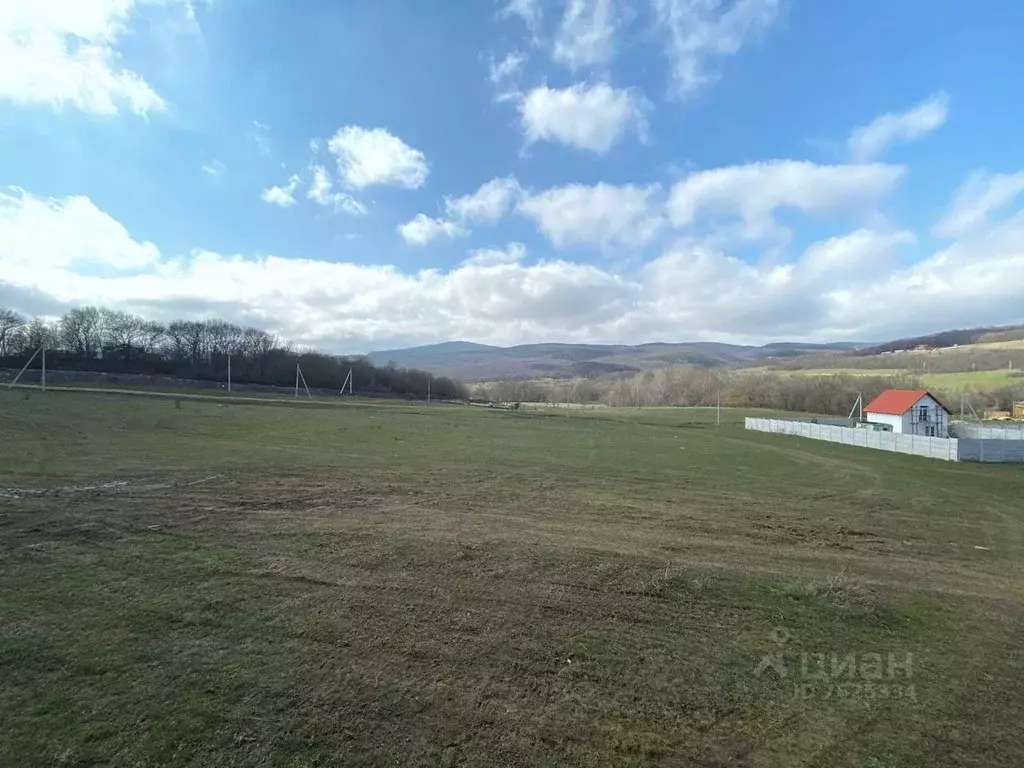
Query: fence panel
[[986, 432], [946, 449], [996, 450]]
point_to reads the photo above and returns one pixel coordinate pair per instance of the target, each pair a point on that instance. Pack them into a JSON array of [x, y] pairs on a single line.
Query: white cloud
[[488, 204], [696, 286], [853, 286], [603, 215], [65, 232], [859, 256], [491, 257], [505, 75], [320, 192], [375, 157], [282, 196], [982, 194], [507, 68], [422, 230], [586, 37], [527, 10], [701, 30], [215, 168], [867, 142], [65, 53], [755, 192], [593, 117]]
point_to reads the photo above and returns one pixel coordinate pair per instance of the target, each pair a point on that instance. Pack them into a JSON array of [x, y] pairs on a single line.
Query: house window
[[923, 413], [929, 431]]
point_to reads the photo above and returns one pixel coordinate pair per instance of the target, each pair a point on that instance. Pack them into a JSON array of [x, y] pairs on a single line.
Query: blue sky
[[372, 173]]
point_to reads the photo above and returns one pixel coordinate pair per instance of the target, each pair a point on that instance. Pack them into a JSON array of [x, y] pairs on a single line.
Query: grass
[[947, 382], [418, 585]]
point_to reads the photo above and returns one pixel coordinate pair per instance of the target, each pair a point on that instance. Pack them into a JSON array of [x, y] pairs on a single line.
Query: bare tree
[[153, 333], [80, 331], [121, 333], [38, 334], [10, 332]]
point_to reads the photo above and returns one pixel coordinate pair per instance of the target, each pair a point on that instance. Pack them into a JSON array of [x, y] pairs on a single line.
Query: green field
[[442, 585], [945, 382]]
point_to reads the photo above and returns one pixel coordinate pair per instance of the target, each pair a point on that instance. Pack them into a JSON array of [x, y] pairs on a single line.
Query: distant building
[[909, 412], [1018, 410]]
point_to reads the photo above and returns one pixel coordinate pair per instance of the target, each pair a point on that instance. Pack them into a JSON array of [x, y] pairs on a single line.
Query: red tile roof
[[896, 402]]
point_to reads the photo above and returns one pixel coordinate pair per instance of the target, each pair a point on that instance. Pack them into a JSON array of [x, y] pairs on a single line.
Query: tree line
[[688, 385], [108, 341]]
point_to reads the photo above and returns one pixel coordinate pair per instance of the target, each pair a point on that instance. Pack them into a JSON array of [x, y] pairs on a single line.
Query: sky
[[372, 174]]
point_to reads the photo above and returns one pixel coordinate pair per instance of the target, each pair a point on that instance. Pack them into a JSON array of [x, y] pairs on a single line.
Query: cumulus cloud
[[593, 117], [854, 285], [603, 215], [282, 196], [488, 204], [66, 232], [754, 193], [320, 192], [586, 37], [377, 158], [699, 31], [489, 257], [422, 230], [64, 53], [981, 195], [869, 141]]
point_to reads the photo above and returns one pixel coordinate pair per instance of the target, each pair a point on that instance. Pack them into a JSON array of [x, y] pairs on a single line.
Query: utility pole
[[229, 373], [43, 380], [718, 410], [428, 389], [296, 379]]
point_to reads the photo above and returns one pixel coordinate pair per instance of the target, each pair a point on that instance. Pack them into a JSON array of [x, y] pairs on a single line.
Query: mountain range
[[478, 362]]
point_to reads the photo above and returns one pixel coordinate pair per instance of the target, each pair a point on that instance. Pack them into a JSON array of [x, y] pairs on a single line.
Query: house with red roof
[[909, 412]]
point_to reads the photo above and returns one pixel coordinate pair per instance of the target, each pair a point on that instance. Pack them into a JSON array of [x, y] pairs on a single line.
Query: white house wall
[[896, 422], [906, 425]]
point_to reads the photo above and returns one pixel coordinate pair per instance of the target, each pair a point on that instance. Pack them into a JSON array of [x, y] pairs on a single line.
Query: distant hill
[[475, 362], [959, 337]]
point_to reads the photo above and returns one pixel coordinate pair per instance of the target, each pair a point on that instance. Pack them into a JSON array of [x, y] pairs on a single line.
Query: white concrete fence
[[965, 429], [947, 449]]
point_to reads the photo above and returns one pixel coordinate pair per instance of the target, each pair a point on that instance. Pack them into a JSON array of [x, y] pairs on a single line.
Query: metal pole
[[44, 370], [428, 389], [719, 408], [229, 373], [296, 379], [304, 384], [11, 385]]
